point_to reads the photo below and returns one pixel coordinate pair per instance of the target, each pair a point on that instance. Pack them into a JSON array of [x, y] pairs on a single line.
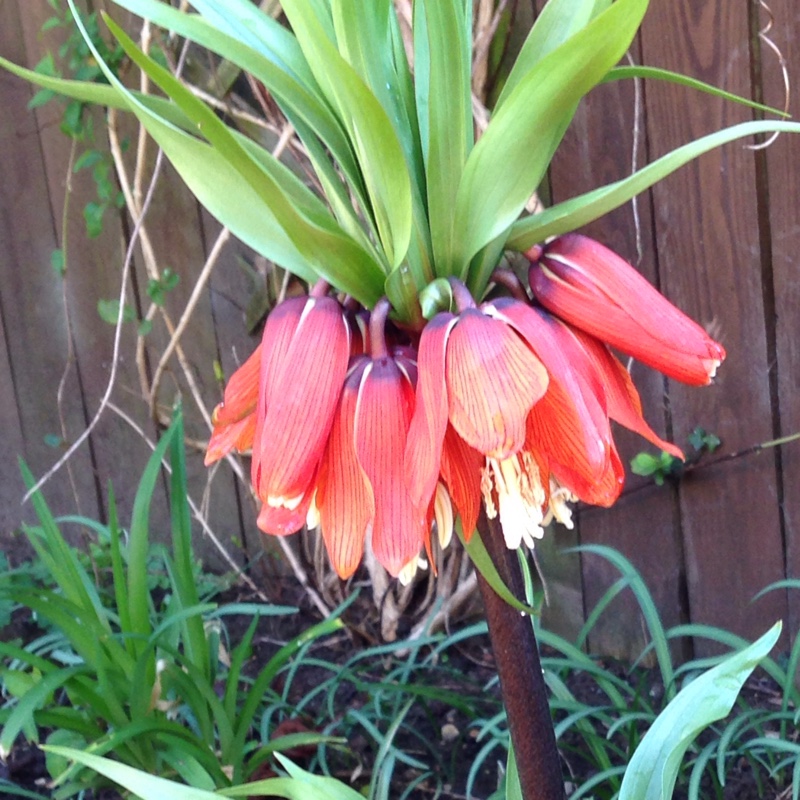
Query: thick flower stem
[[520, 672]]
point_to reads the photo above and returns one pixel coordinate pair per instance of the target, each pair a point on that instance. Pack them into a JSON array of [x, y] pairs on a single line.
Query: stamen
[[558, 509], [520, 495]]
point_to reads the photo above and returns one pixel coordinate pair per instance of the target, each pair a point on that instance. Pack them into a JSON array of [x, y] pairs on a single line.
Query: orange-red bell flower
[[586, 284], [306, 348], [476, 373]]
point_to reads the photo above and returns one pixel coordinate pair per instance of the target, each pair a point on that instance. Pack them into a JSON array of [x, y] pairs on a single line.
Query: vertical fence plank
[[783, 187], [597, 150], [174, 224], [31, 294], [708, 245]]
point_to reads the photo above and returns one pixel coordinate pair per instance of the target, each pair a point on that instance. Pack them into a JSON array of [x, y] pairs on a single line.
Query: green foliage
[[137, 668], [158, 289], [655, 765], [76, 59], [610, 730], [406, 194], [664, 466]]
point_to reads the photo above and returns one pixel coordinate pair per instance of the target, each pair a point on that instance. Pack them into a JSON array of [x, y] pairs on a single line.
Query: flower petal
[[302, 398], [624, 405], [344, 499], [383, 414], [594, 289], [427, 430], [569, 424], [233, 436], [493, 379], [282, 520], [461, 467]]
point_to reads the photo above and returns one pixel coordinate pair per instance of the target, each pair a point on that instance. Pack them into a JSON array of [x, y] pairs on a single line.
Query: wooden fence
[[721, 238]]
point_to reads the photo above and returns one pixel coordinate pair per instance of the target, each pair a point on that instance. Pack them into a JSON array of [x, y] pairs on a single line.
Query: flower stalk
[[520, 672]]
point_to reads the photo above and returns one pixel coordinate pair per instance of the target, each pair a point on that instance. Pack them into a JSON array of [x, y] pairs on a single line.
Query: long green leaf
[[270, 54], [142, 784], [656, 73], [380, 153], [510, 159], [557, 22], [647, 606], [443, 53], [59, 558], [321, 242], [138, 545], [653, 770], [194, 640], [579, 211], [483, 563]]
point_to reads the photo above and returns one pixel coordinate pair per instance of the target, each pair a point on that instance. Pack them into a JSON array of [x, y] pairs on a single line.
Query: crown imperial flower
[[586, 284]]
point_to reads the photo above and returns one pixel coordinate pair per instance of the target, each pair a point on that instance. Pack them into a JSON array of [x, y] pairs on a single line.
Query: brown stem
[[520, 672]]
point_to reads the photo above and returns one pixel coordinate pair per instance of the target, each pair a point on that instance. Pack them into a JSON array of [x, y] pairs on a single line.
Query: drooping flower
[[477, 375], [305, 351], [584, 283]]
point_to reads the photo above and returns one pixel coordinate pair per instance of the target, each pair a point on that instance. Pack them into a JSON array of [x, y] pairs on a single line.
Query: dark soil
[[470, 669]]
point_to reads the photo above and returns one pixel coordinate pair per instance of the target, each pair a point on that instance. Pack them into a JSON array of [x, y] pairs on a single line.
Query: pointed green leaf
[[654, 767], [557, 22], [572, 214], [280, 66], [655, 73], [380, 154], [510, 159], [483, 563], [314, 246]]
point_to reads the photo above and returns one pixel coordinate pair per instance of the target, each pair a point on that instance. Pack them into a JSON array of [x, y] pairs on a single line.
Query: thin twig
[[126, 268]]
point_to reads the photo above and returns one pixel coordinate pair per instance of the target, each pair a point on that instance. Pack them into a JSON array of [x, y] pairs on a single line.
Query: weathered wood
[[599, 149], [174, 225], [782, 189], [231, 289], [707, 239], [31, 294]]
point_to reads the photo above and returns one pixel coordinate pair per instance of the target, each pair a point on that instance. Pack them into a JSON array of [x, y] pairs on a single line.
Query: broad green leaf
[[572, 214], [300, 785], [244, 21], [653, 770], [227, 178], [380, 153], [557, 22], [443, 47], [293, 88], [508, 162], [141, 784]]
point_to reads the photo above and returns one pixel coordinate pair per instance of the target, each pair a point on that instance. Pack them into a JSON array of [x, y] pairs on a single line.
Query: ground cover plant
[[388, 715], [448, 367]]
